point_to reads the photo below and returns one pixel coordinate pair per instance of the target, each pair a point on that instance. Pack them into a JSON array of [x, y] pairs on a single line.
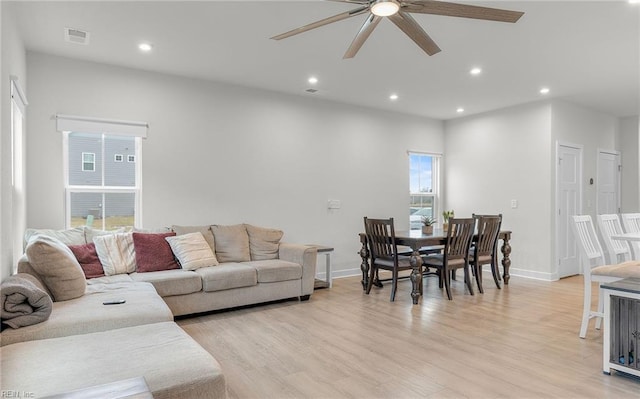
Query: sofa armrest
[[304, 255], [25, 267]]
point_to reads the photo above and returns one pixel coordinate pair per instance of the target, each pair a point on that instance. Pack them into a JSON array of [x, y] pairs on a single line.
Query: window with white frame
[[110, 197], [88, 162], [424, 181], [18, 198]]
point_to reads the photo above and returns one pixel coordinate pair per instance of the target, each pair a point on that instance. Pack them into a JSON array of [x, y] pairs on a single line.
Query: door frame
[[556, 272], [618, 154]]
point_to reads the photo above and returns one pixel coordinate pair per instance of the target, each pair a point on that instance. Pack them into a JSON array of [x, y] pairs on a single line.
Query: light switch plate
[[334, 204]]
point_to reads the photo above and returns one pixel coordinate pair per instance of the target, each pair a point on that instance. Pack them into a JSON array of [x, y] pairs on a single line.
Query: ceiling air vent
[[76, 36], [311, 91]]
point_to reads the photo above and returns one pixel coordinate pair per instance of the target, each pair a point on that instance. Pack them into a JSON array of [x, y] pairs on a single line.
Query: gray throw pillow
[[57, 266], [263, 242], [205, 230], [232, 243]]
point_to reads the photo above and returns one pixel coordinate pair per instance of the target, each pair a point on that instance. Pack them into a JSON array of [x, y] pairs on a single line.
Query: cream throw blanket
[[23, 301]]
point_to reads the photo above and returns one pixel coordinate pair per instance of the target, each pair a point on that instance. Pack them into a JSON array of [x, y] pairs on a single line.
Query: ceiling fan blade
[[322, 22], [460, 10], [353, 1], [368, 27], [410, 27]]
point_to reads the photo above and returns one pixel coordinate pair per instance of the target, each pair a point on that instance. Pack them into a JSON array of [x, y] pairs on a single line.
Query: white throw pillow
[[192, 251], [116, 253]]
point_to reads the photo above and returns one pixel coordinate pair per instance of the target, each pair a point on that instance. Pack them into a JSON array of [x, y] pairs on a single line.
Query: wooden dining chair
[[631, 224], [381, 238], [485, 249], [455, 254], [594, 269], [619, 250]]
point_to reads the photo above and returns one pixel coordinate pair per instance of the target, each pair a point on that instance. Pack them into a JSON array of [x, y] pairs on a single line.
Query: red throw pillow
[[153, 252], [88, 258]]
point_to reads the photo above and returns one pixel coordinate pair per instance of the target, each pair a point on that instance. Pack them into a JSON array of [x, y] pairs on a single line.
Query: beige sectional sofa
[[86, 343]]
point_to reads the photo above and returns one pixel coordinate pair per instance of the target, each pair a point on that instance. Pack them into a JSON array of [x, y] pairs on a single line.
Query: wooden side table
[[327, 282]]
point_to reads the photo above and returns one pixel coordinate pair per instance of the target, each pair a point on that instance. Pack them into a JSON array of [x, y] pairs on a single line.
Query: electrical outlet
[[514, 204], [334, 204]]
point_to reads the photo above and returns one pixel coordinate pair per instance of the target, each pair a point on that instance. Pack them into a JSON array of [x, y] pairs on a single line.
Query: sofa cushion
[[205, 230], [88, 258], [171, 362], [271, 271], [192, 251], [171, 282], [87, 314], [116, 253], [153, 252], [57, 266], [74, 236], [116, 278], [263, 242], [232, 243], [227, 276], [90, 233]]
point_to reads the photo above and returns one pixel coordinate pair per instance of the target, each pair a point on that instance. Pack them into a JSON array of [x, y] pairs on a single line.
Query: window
[[88, 162], [423, 187], [131, 158], [110, 197], [16, 223]]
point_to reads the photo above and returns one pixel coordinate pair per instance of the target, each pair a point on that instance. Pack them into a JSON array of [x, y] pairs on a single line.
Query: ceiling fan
[[398, 11]]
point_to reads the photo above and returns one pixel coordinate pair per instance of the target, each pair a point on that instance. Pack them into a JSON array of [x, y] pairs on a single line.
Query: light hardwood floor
[[518, 342]]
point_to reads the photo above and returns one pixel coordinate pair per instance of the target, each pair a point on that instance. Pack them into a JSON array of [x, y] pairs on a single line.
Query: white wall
[[630, 147], [13, 64], [225, 154], [497, 157], [591, 129]]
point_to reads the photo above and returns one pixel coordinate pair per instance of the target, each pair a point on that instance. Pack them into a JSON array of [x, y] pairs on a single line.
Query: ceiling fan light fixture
[[385, 8]]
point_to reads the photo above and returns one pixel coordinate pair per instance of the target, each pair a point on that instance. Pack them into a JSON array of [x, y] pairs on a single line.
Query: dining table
[[416, 240], [626, 236]]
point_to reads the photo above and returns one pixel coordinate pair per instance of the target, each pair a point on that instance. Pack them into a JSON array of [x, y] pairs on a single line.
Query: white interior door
[[569, 189], [608, 183]]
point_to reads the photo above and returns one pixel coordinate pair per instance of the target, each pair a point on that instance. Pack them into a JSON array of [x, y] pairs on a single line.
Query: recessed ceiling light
[[634, 1], [460, 110], [146, 47], [475, 71], [313, 80], [393, 97], [544, 90]]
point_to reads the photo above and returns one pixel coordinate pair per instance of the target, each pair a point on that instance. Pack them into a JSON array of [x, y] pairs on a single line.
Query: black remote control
[[114, 302]]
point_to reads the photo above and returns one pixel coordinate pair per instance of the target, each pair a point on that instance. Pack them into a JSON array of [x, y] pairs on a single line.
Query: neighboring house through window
[[110, 197], [88, 162], [424, 182]]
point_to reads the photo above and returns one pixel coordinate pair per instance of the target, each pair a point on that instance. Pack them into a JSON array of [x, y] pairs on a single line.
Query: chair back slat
[[488, 230], [381, 237], [631, 224], [587, 241], [459, 238], [610, 225]]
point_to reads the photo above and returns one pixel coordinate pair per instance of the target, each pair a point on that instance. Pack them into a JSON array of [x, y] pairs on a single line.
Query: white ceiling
[[586, 52]]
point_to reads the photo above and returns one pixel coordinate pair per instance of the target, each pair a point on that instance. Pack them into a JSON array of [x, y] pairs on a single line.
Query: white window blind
[[72, 123]]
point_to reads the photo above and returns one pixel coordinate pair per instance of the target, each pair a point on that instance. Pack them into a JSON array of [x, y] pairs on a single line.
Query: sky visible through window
[[420, 168]]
